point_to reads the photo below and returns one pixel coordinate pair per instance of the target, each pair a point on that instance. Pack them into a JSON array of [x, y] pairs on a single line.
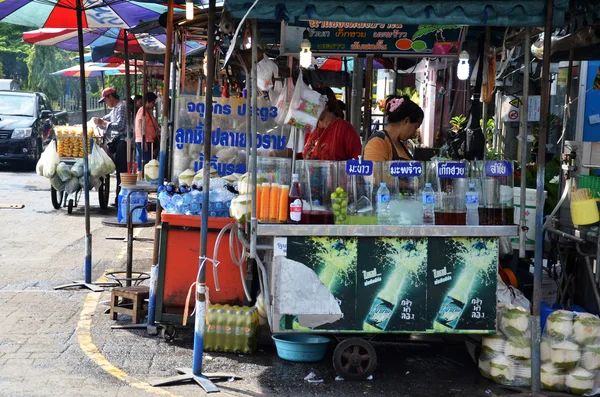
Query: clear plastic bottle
[[428, 205], [383, 205], [472, 202]]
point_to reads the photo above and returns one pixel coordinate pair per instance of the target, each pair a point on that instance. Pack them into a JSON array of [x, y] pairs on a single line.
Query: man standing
[[114, 125]]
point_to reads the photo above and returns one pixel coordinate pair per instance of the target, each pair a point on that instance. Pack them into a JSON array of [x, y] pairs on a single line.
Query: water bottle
[[177, 201], [383, 205], [137, 199], [472, 202], [428, 205]]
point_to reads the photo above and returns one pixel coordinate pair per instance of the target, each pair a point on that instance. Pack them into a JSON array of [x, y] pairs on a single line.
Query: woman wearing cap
[[404, 118], [144, 146], [334, 139], [114, 125]]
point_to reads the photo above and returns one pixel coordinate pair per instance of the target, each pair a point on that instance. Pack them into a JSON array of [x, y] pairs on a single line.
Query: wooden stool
[[136, 295]]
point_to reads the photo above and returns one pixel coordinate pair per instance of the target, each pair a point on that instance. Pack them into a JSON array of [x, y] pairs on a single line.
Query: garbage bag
[[100, 163], [63, 171], [72, 185], [77, 168], [46, 165]]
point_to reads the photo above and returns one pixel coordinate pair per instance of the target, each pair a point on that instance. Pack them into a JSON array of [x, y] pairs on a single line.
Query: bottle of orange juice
[[265, 192], [258, 201], [274, 203], [284, 205]]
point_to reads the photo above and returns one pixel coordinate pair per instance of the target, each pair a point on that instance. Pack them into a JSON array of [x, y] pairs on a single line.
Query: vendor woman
[[404, 118], [334, 139]]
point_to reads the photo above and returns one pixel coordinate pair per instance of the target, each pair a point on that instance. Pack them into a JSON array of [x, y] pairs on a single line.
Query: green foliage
[[42, 62], [411, 93], [552, 170], [117, 82], [14, 53], [458, 122], [488, 131]]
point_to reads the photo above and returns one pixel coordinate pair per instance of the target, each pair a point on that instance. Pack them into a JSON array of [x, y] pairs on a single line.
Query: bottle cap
[[471, 185], [383, 184], [427, 184]]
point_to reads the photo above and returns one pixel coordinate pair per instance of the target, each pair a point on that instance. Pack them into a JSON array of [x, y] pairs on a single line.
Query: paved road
[[60, 342]]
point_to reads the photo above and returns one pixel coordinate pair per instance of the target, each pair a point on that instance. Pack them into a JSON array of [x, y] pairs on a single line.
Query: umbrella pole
[[104, 103], [128, 95], [87, 282]]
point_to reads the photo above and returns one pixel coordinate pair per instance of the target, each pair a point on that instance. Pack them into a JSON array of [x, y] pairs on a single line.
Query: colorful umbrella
[[336, 64], [95, 13], [67, 40], [96, 70]]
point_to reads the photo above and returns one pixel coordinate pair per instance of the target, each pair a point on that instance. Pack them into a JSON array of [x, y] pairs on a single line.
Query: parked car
[[26, 125]]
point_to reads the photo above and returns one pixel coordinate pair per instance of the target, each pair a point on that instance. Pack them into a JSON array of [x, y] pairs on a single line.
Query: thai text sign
[[229, 137]]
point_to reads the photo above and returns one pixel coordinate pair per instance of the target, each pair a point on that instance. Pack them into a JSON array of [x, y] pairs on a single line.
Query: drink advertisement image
[[391, 286], [461, 290], [334, 260]]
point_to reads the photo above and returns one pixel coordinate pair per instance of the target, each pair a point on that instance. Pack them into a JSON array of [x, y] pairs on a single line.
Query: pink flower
[[395, 103]]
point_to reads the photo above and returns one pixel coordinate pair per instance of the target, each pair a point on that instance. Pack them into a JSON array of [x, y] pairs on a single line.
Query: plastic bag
[[511, 296], [63, 171], [100, 163], [77, 168], [283, 102], [57, 183], [265, 69], [72, 185], [46, 165], [306, 107]]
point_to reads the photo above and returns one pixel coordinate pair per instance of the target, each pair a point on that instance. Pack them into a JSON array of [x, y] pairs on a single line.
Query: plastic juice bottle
[[284, 204], [265, 192], [274, 202], [295, 201], [258, 201]]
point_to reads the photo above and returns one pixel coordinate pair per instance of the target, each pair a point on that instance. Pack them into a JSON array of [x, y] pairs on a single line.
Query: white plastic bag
[[46, 165], [63, 171], [265, 69], [77, 168], [306, 107], [283, 102], [72, 185], [100, 163]]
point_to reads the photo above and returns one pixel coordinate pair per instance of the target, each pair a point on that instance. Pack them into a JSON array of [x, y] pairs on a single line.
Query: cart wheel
[[354, 359], [70, 206], [57, 198], [104, 192], [168, 333]]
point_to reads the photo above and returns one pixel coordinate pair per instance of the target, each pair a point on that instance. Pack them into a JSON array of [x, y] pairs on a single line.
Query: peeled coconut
[[517, 351], [245, 182], [515, 319], [590, 357], [522, 371], [494, 344], [586, 329], [565, 355], [559, 325], [232, 178], [151, 170], [545, 351], [502, 370], [186, 177], [580, 382], [241, 208], [552, 378], [485, 368]]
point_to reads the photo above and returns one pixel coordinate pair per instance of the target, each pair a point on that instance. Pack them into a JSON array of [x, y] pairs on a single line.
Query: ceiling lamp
[[463, 70], [305, 53]]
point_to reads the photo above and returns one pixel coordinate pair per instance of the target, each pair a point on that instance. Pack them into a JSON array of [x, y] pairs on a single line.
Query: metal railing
[[72, 103]]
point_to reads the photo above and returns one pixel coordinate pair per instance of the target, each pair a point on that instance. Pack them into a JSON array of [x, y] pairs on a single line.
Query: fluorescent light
[[463, 69], [305, 53], [189, 10]]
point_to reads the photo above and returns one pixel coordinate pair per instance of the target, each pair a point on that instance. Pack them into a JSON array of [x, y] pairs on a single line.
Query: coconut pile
[[570, 351]]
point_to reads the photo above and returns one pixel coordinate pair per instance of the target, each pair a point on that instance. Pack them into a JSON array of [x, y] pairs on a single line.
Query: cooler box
[[178, 266]]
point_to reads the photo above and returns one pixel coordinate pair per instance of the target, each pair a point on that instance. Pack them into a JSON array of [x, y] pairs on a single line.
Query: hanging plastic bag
[[283, 102], [100, 163], [306, 107], [265, 70], [46, 165], [64, 172], [57, 183], [77, 168], [72, 185]]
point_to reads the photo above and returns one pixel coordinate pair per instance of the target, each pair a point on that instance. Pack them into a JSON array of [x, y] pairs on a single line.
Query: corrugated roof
[[442, 12]]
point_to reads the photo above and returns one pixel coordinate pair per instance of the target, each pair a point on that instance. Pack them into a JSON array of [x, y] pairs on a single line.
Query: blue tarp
[[415, 12]]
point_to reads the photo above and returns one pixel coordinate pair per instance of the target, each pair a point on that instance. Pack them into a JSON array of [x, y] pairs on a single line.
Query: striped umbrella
[[96, 70], [138, 43]]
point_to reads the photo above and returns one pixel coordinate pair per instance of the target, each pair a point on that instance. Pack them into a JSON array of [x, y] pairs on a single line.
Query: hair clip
[[395, 103]]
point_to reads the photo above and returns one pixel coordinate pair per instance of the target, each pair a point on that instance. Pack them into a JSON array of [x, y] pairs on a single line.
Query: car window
[[41, 104], [17, 105]]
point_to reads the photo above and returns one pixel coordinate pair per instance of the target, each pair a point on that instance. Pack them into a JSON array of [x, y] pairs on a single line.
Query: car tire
[[38, 154]]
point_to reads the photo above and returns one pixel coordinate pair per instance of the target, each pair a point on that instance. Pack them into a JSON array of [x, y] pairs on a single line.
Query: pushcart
[[62, 199]]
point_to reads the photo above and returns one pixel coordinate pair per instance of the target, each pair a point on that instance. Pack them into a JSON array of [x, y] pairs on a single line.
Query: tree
[[42, 61], [14, 53]]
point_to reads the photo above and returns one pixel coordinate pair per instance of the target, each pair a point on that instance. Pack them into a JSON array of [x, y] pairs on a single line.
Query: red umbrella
[[336, 64]]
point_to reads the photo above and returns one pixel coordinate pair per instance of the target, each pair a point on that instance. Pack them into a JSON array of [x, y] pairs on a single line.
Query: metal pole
[[524, 131], [484, 106], [356, 94], [248, 120], [171, 117], [200, 286], [539, 218], [254, 93], [86, 168], [368, 95], [566, 112], [127, 96], [162, 157]]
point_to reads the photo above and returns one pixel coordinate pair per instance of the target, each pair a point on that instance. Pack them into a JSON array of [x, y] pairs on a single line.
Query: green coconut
[[241, 208]]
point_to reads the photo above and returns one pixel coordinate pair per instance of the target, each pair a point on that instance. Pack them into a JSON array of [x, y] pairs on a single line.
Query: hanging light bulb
[[305, 53], [463, 70], [189, 10], [249, 43]]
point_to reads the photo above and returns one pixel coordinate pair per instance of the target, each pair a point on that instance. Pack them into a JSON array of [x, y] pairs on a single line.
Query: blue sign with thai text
[[359, 167], [498, 168], [451, 169], [406, 169]]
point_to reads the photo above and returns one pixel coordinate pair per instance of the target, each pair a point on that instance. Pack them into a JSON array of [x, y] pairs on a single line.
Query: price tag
[[406, 168], [498, 168], [451, 169], [360, 168]]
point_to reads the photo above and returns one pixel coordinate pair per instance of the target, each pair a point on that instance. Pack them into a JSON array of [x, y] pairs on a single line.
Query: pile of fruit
[[339, 201], [70, 141]]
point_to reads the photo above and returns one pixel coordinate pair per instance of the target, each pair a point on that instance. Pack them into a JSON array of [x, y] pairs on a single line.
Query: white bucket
[[530, 211]]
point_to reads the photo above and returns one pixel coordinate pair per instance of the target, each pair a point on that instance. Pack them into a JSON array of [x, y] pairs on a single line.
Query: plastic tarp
[[443, 12]]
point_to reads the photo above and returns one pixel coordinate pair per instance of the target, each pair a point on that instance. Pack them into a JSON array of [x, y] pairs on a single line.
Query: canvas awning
[[416, 12]]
